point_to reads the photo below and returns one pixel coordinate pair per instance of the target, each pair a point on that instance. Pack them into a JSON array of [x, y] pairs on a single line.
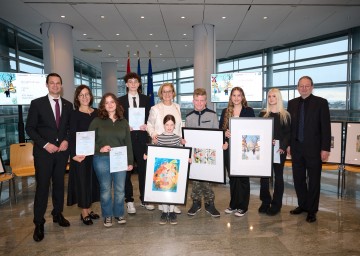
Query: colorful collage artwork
[[166, 174], [204, 156], [251, 147]]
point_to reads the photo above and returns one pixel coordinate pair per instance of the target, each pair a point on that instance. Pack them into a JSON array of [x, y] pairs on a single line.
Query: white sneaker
[[177, 210], [229, 210], [240, 213], [120, 220], [130, 208], [149, 207], [108, 222]]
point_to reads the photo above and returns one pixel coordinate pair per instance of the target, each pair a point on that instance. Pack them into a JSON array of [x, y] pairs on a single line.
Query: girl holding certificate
[[111, 131], [239, 186], [83, 186], [275, 109]]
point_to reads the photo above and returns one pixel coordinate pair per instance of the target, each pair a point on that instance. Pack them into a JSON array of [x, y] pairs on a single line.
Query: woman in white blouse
[[157, 113], [155, 125]]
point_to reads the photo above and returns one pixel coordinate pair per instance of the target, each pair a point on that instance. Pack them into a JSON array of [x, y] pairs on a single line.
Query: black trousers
[[239, 188], [50, 168], [265, 196], [307, 177], [139, 149]]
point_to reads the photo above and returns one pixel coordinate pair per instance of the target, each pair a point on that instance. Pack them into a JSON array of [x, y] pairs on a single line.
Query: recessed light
[[156, 46], [184, 34], [183, 17], [102, 16], [265, 17], [185, 45], [223, 17], [99, 45], [160, 54], [109, 54], [84, 34], [117, 34], [142, 17], [62, 16], [150, 34], [127, 46]]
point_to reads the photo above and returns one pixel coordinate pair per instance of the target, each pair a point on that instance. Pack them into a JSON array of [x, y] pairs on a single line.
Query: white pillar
[[108, 78], [58, 54], [204, 57]]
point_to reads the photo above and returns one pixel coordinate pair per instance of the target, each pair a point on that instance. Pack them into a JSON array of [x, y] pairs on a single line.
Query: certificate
[[136, 118], [118, 159], [85, 143], [276, 152]]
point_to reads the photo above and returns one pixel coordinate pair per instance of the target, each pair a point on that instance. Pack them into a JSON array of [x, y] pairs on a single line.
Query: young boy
[[202, 117]]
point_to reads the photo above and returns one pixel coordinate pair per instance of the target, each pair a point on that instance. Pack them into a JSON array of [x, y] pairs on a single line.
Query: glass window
[[225, 66], [186, 85], [186, 73], [324, 74], [322, 48], [249, 62]]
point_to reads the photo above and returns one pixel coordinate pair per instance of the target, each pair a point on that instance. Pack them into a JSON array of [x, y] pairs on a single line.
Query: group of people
[[303, 132]]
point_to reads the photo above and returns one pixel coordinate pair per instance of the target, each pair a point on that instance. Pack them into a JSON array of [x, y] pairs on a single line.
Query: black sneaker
[[263, 208], [194, 208], [163, 218], [210, 208], [172, 218]]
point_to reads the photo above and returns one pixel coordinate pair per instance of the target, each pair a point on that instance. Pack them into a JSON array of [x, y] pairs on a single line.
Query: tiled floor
[[337, 231]]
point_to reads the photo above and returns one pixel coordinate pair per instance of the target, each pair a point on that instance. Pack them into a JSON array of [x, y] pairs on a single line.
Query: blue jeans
[[110, 207]]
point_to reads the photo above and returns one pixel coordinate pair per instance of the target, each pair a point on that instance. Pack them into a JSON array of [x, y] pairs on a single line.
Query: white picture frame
[[176, 161], [336, 143], [352, 144], [207, 158], [251, 146]]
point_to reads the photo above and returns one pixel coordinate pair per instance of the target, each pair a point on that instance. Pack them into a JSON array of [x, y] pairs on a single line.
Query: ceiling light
[[150, 34], [117, 34], [185, 45], [117, 60], [127, 46], [109, 54], [223, 17], [142, 17], [99, 45], [183, 17], [102, 16], [184, 34], [91, 50], [156, 46], [84, 34], [265, 17], [62, 16], [160, 54]]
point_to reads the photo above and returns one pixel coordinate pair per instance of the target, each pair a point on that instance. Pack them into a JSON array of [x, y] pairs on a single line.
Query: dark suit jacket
[[144, 102], [317, 128], [41, 124]]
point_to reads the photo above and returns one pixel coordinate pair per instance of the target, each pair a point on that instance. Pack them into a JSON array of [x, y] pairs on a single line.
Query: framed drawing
[[167, 170], [207, 158], [352, 143], [251, 147], [336, 143]]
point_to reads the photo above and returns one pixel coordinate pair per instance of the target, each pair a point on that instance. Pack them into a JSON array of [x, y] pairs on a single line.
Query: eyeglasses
[[84, 95], [167, 92], [304, 86]]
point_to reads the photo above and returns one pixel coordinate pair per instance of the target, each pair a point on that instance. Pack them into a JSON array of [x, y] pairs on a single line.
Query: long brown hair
[[230, 108], [103, 114]]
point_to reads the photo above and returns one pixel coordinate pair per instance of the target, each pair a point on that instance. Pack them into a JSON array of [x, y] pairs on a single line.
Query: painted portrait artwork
[[166, 174], [204, 156], [250, 147]]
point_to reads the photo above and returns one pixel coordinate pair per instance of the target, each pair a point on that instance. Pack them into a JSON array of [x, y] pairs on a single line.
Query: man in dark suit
[[309, 146], [139, 138], [48, 126]]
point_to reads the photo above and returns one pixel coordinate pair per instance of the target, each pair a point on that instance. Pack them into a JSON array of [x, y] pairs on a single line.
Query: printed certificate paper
[[85, 143], [136, 118], [118, 159], [276, 152]]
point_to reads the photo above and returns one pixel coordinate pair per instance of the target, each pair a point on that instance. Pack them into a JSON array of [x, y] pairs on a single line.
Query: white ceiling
[[244, 29]]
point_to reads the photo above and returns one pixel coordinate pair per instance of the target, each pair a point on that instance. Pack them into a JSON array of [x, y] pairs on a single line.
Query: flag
[[150, 87], [139, 73], [128, 70]]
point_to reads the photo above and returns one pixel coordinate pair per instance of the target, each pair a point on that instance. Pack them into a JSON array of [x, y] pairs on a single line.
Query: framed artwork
[[336, 143], [251, 147], [167, 170], [352, 143], [207, 158]]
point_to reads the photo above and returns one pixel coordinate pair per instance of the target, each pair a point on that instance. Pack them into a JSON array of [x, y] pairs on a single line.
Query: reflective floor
[[336, 232]]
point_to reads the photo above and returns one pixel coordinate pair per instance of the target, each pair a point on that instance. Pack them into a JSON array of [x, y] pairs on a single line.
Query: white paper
[[276, 152], [136, 118], [85, 143], [118, 159]]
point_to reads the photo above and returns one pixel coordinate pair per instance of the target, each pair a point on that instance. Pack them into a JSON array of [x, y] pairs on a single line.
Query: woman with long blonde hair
[[275, 109], [239, 186]]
